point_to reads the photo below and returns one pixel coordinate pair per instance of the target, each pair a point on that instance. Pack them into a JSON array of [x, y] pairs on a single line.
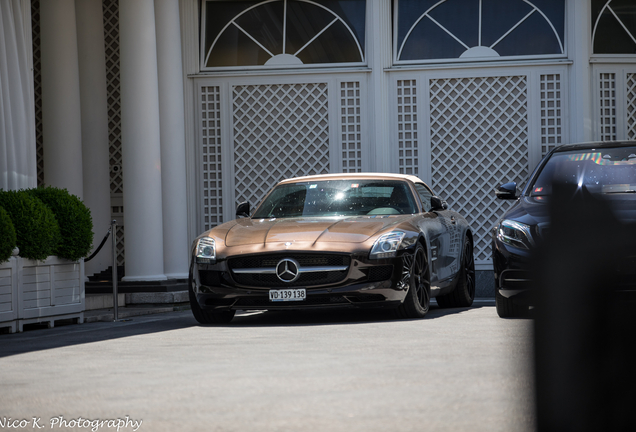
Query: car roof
[[361, 176], [593, 145]]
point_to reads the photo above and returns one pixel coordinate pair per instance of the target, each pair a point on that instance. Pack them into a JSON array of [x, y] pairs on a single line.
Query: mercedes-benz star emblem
[[287, 270]]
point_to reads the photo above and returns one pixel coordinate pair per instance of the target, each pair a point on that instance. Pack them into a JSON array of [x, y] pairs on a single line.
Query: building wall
[[463, 124], [464, 128]]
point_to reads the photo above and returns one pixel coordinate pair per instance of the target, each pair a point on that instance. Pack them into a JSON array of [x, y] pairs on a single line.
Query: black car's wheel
[[506, 308], [418, 297], [464, 292], [207, 317]]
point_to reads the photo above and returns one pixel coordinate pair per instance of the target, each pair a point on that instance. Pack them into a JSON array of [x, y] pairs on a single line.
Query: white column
[[173, 163], [189, 14], [580, 82], [379, 57], [61, 113], [94, 103], [141, 151]]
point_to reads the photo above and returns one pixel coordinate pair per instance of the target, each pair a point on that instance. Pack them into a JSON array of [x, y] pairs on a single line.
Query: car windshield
[[338, 198], [603, 171]]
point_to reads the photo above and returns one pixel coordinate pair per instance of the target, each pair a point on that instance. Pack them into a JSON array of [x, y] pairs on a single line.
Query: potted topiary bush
[[7, 236], [8, 273], [74, 219], [51, 270], [36, 228]]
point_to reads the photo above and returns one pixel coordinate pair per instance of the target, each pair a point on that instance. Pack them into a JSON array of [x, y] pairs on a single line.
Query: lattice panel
[[120, 246], [351, 125], [111, 42], [37, 84], [607, 103], [280, 131], [479, 139], [408, 149], [212, 190], [631, 105], [110, 9], [550, 112]]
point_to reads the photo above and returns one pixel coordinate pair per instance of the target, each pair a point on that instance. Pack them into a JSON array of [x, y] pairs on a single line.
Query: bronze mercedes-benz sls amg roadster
[[335, 240]]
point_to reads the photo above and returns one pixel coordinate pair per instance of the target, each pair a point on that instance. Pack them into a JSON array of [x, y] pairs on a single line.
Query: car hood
[[306, 230], [535, 210]]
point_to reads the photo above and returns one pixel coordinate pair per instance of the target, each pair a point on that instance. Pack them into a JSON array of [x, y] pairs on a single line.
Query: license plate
[[287, 295]]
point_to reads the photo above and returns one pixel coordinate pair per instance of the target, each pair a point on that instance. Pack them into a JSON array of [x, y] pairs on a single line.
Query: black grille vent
[[210, 277], [380, 273]]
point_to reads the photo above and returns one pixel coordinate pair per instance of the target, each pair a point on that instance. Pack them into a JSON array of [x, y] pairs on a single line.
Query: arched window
[[614, 26], [428, 30], [282, 33]]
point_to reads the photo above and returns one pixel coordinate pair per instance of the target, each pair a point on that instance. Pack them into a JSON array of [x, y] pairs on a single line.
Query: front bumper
[[512, 275], [366, 283]]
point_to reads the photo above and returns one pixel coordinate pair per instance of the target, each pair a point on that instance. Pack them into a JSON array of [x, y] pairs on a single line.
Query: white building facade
[[172, 113]]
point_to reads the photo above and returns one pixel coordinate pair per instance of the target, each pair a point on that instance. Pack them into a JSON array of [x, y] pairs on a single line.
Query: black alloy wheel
[[464, 292], [418, 298]]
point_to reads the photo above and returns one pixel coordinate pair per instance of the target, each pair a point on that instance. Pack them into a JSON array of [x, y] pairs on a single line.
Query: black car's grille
[[269, 280]]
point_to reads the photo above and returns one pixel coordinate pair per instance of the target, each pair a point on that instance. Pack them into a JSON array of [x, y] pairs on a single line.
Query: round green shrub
[[37, 231], [7, 236], [74, 219]]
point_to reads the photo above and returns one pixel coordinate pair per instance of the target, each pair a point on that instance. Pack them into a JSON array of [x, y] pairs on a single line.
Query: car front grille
[[305, 262], [308, 279], [308, 260]]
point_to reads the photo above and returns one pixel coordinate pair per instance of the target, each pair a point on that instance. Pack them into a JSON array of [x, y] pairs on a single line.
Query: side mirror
[[507, 191], [243, 209], [438, 204]]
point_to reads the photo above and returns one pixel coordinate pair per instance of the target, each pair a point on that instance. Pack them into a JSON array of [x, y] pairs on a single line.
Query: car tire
[[506, 308], [203, 316], [418, 298], [464, 292]]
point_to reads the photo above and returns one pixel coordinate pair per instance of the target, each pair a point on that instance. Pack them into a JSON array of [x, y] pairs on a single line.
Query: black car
[[604, 170], [336, 240]]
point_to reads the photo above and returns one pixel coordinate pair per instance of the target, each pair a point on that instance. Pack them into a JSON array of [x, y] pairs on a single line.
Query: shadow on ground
[[39, 339]]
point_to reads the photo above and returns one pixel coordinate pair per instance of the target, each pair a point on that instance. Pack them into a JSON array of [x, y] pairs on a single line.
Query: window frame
[[610, 57], [203, 54], [396, 49]]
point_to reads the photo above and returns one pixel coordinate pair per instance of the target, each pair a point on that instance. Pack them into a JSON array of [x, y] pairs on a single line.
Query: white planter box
[[50, 290], [9, 294]]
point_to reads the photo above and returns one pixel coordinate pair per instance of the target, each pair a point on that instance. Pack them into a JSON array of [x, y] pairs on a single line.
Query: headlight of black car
[[205, 251], [387, 245], [515, 234]]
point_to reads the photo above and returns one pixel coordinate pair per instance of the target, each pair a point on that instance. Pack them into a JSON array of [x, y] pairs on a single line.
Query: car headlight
[[205, 251], [387, 245], [515, 234]]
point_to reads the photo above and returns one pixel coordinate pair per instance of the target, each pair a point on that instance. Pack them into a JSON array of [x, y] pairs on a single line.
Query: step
[[103, 301], [128, 312]]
